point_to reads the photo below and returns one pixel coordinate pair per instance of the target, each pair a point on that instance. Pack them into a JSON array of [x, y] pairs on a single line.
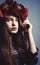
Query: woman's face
[[12, 24]]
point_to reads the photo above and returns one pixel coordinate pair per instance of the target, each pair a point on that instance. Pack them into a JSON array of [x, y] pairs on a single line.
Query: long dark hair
[[5, 42], [20, 40]]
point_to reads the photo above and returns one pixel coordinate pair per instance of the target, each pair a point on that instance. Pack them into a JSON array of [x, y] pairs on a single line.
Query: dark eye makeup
[[16, 19], [9, 19]]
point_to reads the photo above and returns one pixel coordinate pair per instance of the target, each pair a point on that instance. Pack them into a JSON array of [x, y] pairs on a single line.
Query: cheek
[[17, 26], [9, 24]]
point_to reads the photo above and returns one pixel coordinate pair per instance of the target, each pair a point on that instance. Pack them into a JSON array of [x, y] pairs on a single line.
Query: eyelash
[[9, 19], [16, 20]]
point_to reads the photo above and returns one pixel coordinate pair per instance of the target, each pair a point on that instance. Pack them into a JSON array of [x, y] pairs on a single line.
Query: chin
[[13, 32]]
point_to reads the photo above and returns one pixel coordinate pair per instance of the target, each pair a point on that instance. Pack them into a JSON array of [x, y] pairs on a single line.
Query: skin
[[30, 35], [12, 24]]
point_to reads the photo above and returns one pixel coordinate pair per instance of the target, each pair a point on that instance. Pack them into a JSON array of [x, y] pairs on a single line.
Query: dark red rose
[[15, 9], [1, 14]]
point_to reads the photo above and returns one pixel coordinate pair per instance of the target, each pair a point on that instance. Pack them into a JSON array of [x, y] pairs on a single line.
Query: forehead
[[13, 17]]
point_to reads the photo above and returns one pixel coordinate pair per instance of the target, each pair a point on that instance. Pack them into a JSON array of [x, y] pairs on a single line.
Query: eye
[[9, 19], [16, 20]]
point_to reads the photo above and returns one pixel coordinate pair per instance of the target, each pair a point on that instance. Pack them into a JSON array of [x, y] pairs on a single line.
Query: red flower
[[15, 9], [1, 15], [26, 11]]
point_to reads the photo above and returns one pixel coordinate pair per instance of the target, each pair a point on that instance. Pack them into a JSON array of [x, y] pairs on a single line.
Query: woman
[[15, 32], [7, 52]]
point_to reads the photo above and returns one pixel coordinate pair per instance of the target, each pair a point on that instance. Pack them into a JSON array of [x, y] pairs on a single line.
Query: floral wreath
[[17, 9]]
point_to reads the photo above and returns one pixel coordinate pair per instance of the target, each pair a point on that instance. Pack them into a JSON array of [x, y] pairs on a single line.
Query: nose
[[13, 24]]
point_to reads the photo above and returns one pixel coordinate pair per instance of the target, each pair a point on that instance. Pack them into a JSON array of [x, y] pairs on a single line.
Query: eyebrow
[[13, 19], [9, 18]]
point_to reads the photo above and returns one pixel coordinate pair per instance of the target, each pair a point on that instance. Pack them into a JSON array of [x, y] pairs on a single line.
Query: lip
[[14, 28]]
